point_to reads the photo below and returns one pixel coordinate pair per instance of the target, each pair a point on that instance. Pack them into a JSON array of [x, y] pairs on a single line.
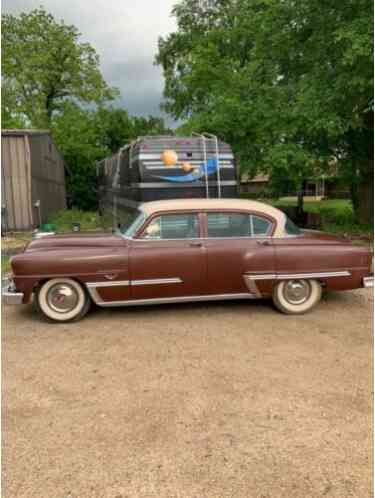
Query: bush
[[63, 220], [338, 215]]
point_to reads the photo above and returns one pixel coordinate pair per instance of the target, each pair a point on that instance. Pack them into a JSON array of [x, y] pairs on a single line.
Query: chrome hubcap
[[62, 298], [297, 291]]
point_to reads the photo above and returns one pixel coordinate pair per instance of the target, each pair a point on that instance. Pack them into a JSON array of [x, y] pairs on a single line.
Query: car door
[[168, 259], [237, 244]]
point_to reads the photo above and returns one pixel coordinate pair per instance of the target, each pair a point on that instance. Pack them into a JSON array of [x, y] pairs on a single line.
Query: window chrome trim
[[219, 238], [150, 239]]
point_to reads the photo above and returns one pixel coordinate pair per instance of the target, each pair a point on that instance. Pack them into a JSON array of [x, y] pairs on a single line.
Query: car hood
[[74, 240]]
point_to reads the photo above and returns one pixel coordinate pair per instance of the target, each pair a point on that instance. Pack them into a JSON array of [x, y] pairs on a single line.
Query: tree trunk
[[300, 213], [364, 205], [362, 156]]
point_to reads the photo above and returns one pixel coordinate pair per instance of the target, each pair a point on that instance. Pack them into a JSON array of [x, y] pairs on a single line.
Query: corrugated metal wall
[[47, 176], [31, 170], [15, 182]]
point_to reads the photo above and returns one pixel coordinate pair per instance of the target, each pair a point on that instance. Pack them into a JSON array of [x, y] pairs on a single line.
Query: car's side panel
[[166, 268], [308, 255], [228, 260], [100, 264]]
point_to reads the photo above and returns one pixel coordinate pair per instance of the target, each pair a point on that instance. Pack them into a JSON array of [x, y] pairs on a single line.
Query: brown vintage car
[[188, 250]]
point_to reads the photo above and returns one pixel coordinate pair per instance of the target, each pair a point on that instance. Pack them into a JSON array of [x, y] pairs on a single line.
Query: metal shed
[[32, 178]]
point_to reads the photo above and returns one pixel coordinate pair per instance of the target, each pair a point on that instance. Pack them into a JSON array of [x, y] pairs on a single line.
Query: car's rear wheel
[[62, 300], [295, 297]]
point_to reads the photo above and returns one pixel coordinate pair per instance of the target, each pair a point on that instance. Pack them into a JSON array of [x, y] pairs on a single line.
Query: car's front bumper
[[9, 295], [368, 282]]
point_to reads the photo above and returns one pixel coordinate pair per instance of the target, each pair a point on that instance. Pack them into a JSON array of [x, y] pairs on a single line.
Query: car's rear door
[[168, 259], [237, 244]]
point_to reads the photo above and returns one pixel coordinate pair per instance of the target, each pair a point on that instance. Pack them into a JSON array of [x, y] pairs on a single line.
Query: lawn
[[5, 264], [336, 214], [63, 220]]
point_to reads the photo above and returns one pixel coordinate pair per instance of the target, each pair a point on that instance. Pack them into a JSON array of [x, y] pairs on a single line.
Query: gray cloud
[[125, 35]]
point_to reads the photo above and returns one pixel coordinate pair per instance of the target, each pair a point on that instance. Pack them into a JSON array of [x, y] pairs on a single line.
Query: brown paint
[[205, 266]]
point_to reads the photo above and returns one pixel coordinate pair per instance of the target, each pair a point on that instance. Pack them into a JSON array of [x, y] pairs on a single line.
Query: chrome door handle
[[195, 244], [263, 243]]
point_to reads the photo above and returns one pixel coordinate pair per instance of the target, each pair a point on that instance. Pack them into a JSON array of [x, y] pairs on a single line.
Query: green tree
[[288, 84], [79, 139], [151, 125], [44, 64], [86, 136]]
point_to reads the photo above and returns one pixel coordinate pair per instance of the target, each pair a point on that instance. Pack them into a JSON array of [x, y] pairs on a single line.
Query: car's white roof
[[225, 204]]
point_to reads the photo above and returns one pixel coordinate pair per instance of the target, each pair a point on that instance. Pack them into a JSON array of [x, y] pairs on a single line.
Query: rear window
[[291, 228]]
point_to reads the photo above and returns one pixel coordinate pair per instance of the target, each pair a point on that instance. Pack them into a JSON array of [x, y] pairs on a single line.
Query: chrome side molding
[[117, 283], [296, 276], [93, 286], [156, 281], [173, 300], [251, 279]]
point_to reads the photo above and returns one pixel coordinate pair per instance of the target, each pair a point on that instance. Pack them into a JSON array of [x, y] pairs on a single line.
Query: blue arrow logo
[[192, 177]]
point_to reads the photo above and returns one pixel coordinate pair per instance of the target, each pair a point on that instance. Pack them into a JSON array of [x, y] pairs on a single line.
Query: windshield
[[291, 228], [130, 227]]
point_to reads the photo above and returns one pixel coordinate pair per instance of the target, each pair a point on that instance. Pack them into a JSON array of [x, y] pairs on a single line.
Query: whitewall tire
[[297, 296], [62, 300]]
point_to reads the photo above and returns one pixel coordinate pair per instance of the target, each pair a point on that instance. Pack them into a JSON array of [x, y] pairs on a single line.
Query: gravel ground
[[203, 400]]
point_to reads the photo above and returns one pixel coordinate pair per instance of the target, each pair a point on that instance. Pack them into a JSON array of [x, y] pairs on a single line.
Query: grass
[[63, 220], [337, 215], [5, 264]]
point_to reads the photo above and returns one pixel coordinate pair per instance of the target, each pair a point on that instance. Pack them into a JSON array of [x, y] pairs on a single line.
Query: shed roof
[[25, 132]]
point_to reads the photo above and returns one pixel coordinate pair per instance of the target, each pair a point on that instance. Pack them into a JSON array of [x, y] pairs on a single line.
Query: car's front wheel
[[295, 297], [62, 300]]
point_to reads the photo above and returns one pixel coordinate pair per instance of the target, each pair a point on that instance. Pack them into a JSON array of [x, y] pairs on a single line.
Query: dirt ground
[[202, 400]]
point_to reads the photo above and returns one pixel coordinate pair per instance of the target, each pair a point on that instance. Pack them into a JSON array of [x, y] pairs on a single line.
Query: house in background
[[32, 179], [323, 187], [255, 185]]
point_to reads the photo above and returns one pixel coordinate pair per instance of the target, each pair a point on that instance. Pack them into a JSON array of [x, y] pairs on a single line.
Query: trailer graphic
[[197, 166]]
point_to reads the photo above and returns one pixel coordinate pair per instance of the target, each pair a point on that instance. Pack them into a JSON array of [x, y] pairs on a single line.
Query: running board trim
[[169, 300]]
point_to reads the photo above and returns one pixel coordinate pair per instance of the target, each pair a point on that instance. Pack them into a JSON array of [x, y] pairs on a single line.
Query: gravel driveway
[[203, 400]]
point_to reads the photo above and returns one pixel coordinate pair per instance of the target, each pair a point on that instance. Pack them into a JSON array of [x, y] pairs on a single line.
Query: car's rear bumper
[[368, 282], [9, 295]]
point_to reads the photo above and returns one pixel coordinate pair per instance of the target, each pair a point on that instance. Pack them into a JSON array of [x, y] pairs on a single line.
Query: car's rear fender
[[307, 255]]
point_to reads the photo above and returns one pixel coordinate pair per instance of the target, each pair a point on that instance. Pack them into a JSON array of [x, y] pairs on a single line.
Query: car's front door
[[168, 259], [237, 244]]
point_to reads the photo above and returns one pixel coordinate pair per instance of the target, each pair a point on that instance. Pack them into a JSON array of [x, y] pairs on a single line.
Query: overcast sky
[[125, 35]]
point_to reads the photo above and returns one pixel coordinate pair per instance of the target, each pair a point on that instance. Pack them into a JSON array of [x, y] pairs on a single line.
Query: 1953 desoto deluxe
[[188, 250]]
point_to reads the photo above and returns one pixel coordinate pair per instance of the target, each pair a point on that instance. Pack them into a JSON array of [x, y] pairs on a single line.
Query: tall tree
[[289, 84], [44, 64], [86, 136]]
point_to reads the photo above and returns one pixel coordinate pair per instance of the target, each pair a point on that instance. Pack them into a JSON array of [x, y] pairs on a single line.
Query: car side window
[[236, 225], [228, 225], [260, 225], [172, 226]]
